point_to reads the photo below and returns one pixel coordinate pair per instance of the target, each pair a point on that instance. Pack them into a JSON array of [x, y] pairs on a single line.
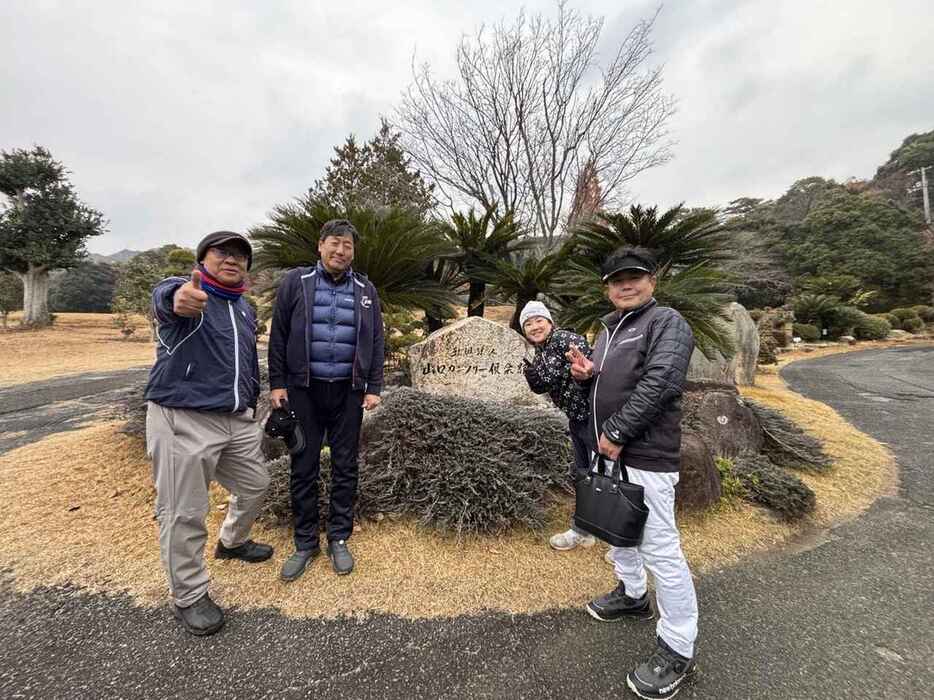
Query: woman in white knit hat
[[549, 372]]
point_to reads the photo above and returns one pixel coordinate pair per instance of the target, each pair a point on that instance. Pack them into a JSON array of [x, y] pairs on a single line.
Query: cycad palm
[[480, 243], [395, 250], [524, 278], [689, 245]]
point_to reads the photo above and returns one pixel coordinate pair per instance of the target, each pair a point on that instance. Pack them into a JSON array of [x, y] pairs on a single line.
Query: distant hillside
[[118, 257]]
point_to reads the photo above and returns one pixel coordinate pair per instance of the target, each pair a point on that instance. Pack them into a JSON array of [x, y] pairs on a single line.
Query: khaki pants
[[189, 449]]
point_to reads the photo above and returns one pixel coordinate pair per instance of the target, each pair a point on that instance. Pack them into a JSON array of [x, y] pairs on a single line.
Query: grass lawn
[[76, 343], [95, 510]]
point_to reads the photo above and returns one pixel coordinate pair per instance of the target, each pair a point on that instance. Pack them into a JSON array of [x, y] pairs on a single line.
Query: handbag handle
[[618, 472]]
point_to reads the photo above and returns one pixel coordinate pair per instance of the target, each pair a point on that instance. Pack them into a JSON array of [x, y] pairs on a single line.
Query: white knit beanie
[[534, 308]]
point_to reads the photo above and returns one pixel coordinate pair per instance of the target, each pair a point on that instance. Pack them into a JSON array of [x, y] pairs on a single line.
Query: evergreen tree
[[87, 288], [43, 226], [373, 175]]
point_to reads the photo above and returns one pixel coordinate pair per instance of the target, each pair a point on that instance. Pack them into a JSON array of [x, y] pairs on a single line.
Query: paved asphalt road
[[29, 412], [848, 615]]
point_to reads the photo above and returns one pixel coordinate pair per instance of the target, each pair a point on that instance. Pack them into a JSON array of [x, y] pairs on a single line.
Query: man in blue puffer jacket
[[200, 422], [326, 361]]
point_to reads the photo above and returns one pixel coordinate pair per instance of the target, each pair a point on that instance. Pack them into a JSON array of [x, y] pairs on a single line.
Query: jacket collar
[[324, 274], [611, 319]]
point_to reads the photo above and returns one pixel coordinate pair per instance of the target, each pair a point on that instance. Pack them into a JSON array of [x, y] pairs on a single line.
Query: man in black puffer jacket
[[636, 379]]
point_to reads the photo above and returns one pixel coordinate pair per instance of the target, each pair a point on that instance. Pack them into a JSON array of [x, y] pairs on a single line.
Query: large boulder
[[720, 416], [699, 485], [741, 367], [474, 358]]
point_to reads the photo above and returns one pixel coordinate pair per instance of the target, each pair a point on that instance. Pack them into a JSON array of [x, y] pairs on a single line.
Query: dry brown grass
[[76, 343], [94, 511]]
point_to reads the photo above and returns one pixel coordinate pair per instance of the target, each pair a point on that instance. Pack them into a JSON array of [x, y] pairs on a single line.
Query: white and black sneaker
[[662, 675], [616, 605]]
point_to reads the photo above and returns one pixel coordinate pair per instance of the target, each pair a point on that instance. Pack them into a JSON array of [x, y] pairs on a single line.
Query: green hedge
[[893, 320], [913, 325], [872, 328], [807, 332], [903, 313], [926, 313]]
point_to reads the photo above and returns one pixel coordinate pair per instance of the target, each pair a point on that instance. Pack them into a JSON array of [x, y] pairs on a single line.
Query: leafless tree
[[530, 107]]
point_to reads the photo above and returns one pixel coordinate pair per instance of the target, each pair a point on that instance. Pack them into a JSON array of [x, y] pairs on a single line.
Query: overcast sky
[[184, 117]]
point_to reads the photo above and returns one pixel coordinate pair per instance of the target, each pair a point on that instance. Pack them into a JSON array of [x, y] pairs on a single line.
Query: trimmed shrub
[[903, 313], [773, 487], [894, 321], [461, 465], [913, 325], [767, 347], [807, 332], [843, 320], [926, 313], [786, 443], [872, 328]]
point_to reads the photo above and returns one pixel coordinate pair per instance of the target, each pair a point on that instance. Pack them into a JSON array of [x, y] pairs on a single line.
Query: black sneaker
[[616, 605], [201, 618], [248, 551], [341, 558], [662, 675]]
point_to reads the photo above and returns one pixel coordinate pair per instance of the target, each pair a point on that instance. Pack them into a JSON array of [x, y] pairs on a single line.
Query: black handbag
[[609, 506]]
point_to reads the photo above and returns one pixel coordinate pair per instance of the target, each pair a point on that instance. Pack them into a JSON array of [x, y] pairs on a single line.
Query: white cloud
[[183, 117]]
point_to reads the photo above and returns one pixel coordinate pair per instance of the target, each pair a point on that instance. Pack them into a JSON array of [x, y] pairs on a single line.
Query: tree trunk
[[521, 301], [475, 305], [35, 296], [433, 323]]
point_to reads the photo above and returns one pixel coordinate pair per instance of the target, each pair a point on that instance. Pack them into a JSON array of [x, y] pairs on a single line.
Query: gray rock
[[739, 369], [848, 339], [699, 484], [898, 334], [722, 419], [475, 358]]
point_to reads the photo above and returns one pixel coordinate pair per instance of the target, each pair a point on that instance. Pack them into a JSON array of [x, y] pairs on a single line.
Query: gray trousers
[[189, 449]]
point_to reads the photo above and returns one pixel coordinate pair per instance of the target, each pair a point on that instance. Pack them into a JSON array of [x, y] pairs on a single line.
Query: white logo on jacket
[[366, 302]]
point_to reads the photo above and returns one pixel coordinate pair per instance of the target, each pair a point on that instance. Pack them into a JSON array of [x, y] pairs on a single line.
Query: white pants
[[660, 553]]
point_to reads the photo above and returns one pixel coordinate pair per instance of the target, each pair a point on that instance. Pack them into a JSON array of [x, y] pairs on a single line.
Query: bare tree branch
[[531, 109]]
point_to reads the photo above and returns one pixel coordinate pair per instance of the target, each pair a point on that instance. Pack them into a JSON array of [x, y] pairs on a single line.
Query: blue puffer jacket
[[208, 363], [333, 333], [290, 334]]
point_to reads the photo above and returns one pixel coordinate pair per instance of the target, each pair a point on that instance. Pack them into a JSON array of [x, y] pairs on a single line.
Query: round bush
[[844, 319], [913, 325], [807, 332], [926, 313], [893, 320], [773, 487], [903, 313], [872, 328]]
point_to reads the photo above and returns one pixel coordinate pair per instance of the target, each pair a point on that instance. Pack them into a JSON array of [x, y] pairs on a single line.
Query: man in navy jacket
[[200, 422], [326, 362]]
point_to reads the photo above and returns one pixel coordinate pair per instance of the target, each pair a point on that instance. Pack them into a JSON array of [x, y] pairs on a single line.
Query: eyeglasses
[[225, 252]]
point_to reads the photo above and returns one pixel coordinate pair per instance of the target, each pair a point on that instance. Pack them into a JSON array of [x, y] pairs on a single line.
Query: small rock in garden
[[71, 509]]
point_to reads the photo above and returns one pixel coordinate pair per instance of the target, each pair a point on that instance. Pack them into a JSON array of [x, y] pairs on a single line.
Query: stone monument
[[739, 369], [477, 358]]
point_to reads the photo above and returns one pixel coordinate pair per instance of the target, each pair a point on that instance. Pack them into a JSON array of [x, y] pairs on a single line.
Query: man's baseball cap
[[629, 259], [222, 237]]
